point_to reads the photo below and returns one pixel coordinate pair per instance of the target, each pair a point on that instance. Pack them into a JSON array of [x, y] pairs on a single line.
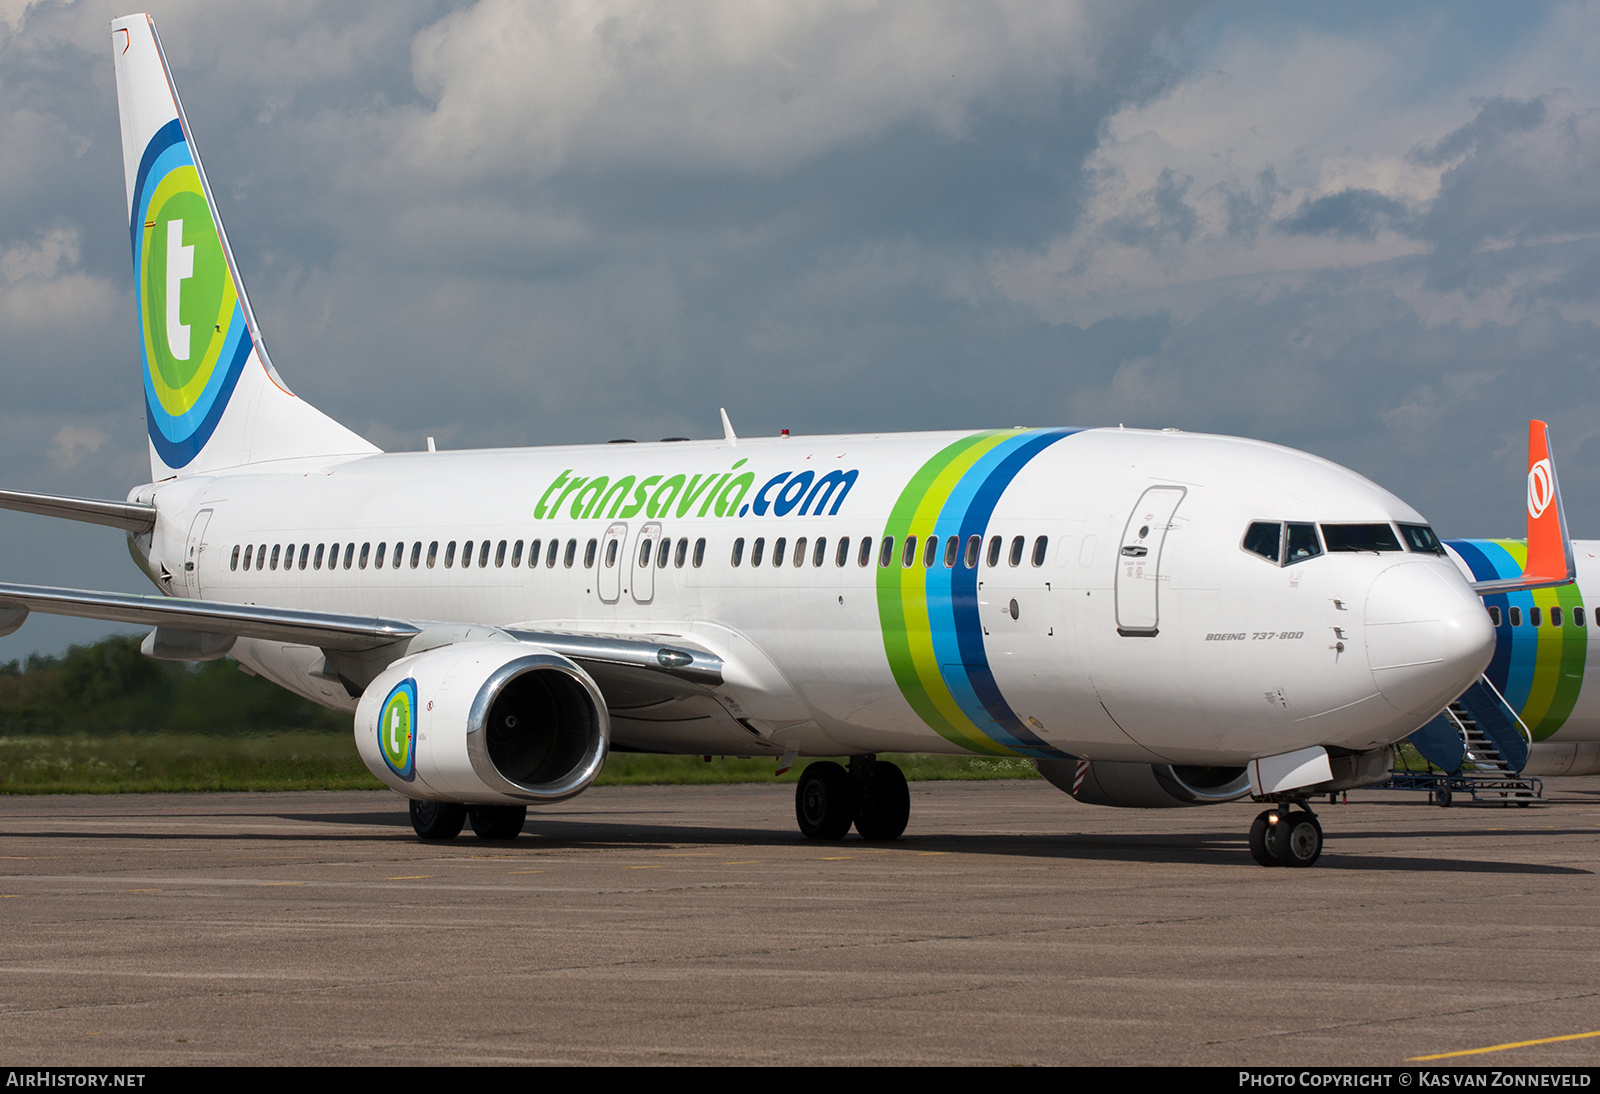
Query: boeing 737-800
[[1158, 612]]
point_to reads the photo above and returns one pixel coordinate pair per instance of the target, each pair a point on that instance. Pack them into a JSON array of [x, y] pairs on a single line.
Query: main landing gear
[[1285, 836], [872, 795], [444, 820]]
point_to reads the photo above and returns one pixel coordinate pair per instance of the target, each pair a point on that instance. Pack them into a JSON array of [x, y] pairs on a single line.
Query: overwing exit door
[[1139, 561]]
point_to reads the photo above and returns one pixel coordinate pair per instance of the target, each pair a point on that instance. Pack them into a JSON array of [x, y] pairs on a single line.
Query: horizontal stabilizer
[[127, 515], [1550, 558]]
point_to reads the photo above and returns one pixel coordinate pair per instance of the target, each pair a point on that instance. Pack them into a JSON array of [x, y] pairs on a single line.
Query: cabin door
[[193, 553], [1139, 570]]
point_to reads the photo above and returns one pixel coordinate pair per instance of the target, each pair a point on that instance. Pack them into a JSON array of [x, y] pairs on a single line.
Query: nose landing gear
[[1285, 836]]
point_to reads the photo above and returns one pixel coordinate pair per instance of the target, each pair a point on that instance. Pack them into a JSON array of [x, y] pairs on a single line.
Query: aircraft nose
[[1427, 636]]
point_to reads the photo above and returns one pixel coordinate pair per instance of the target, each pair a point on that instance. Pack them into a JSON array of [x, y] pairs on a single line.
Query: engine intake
[[495, 722]]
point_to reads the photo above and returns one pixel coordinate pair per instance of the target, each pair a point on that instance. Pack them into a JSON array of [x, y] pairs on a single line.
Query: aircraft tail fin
[[212, 398], [1550, 559]]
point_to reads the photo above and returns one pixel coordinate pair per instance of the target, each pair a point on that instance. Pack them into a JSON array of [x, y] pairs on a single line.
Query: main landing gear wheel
[[437, 820], [884, 802], [825, 801], [497, 821]]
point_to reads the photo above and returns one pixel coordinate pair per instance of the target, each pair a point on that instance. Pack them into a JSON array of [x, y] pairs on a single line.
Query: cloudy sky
[[1367, 230]]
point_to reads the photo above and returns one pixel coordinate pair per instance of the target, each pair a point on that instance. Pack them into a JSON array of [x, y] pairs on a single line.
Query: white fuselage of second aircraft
[[1090, 593]]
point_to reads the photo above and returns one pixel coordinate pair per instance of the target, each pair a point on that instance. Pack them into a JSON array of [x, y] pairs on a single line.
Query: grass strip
[[184, 763]]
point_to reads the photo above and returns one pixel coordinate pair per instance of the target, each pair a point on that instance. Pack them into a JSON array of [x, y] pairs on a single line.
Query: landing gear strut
[[872, 795], [1282, 836]]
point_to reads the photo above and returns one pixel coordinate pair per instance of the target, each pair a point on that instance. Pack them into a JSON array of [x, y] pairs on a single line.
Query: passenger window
[[1041, 547], [261, 556], [416, 553], [819, 553], [1015, 558], [500, 554], [450, 554], [1303, 543], [533, 552], [234, 563], [1264, 538], [800, 551], [886, 554], [275, 549], [1533, 616], [572, 554], [466, 555], [663, 553], [1555, 616], [1359, 537], [738, 552], [349, 555], [864, 556], [1494, 615], [930, 551], [1516, 616], [994, 551], [842, 555], [681, 555], [305, 553], [551, 553], [316, 563], [516, 554], [952, 551], [777, 550], [1577, 616], [699, 552], [589, 552], [1420, 538], [756, 549], [974, 549], [377, 561], [433, 554], [908, 554], [361, 563]]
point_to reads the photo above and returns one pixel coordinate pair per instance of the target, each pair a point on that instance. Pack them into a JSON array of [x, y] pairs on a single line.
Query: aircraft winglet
[[1550, 558]]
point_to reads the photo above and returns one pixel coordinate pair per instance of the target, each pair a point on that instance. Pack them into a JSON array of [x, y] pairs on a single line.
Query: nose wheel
[[1286, 837]]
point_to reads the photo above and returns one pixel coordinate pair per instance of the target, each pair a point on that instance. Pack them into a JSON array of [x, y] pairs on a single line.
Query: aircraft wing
[[329, 630], [656, 655]]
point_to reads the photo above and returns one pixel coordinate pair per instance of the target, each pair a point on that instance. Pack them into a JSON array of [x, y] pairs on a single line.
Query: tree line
[[109, 687]]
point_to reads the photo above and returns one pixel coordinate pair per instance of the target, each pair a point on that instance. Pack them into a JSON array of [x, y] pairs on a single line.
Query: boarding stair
[[1477, 746]]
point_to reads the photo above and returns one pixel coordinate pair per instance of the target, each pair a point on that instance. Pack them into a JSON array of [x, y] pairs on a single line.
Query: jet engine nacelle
[[484, 723], [1146, 786]]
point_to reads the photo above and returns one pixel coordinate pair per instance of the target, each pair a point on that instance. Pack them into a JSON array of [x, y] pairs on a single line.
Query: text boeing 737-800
[[1155, 617]]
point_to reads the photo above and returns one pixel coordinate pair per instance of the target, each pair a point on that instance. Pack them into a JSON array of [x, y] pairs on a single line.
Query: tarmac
[[693, 925]]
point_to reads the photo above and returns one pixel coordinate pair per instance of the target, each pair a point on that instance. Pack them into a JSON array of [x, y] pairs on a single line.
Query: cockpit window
[[1359, 537], [1303, 543], [1420, 538], [1264, 538]]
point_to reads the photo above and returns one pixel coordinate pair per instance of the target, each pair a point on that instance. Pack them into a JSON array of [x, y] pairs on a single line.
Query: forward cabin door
[[1139, 571], [193, 553]]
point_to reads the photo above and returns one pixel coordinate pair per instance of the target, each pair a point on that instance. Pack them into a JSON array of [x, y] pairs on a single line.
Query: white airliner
[[1155, 616]]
